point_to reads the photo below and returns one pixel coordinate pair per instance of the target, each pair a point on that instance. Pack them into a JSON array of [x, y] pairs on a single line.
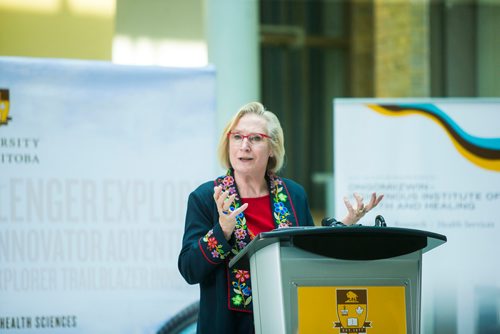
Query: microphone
[[332, 222], [380, 221]]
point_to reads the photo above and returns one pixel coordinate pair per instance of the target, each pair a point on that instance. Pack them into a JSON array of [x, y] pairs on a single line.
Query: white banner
[[438, 163], [96, 163]]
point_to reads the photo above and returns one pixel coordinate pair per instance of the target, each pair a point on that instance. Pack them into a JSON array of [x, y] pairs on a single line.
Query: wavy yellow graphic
[[482, 152]]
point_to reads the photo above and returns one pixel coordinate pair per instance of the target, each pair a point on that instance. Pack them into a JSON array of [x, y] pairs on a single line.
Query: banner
[[96, 164], [437, 162]]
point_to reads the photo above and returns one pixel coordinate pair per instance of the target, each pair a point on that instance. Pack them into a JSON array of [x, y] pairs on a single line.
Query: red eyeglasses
[[253, 138]]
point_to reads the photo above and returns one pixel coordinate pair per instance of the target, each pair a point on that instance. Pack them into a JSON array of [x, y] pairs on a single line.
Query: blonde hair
[[274, 130]]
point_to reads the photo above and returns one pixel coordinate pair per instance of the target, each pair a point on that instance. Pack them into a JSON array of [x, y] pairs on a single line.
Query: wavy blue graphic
[[483, 152]]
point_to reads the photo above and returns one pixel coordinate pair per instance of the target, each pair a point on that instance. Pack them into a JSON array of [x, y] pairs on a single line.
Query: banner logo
[[4, 107], [483, 152], [352, 306]]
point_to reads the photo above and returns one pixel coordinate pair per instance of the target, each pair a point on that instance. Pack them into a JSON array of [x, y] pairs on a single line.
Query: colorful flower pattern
[[241, 288], [240, 295], [213, 246]]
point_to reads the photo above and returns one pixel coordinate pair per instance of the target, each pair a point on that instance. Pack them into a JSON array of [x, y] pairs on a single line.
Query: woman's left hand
[[355, 214]]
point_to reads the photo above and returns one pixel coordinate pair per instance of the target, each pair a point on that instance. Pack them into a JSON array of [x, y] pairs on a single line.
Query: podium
[[355, 279]]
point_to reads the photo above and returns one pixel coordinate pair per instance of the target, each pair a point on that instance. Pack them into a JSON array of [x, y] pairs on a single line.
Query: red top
[[258, 215]]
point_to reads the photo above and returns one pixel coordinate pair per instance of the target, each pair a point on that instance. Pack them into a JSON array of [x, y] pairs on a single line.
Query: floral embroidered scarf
[[239, 287]]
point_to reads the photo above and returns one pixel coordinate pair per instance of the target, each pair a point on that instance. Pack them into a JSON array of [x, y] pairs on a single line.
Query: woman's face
[[249, 157]]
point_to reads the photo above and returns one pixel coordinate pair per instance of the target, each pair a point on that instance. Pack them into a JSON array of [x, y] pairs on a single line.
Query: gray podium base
[[276, 307]]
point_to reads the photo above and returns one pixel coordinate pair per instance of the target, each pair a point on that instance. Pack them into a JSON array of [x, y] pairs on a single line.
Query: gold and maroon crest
[[352, 307], [4, 106]]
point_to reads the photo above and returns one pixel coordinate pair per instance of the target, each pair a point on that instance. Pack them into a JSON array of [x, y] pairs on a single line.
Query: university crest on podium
[[352, 305]]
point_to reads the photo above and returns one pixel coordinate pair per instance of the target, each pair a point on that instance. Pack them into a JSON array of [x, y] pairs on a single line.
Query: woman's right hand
[[227, 218]]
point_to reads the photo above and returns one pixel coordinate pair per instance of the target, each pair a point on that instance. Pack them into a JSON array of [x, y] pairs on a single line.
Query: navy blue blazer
[[211, 274]]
